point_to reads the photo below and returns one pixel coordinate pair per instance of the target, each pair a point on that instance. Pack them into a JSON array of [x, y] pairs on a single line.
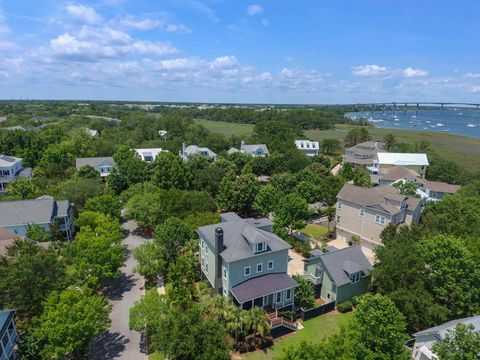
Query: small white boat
[[446, 130], [440, 125], [471, 125], [428, 121]]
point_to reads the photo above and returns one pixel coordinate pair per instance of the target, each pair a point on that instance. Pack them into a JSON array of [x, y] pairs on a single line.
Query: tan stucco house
[[365, 212]]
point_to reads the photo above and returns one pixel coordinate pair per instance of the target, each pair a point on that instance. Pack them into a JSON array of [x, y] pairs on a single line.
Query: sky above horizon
[[272, 51]]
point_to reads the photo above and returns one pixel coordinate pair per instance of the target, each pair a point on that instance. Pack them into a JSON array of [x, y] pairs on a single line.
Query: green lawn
[[315, 231], [226, 128], [314, 331], [463, 150], [156, 356]]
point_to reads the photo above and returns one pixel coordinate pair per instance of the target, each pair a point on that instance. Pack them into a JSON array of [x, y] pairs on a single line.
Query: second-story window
[[379, 219], [361, 212], [338, 219], [339, 205], [259, 268], [270, 265], [224, 273], [246, 271]]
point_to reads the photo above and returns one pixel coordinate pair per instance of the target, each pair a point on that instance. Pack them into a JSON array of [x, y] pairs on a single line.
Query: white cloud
[[369, 70], [178, 28], [472, 75], [84, 13], [224, 61], [177, 64], [154, 48], [476, 89], [265, 76], [412, 73], [254, 9], [143, 24]]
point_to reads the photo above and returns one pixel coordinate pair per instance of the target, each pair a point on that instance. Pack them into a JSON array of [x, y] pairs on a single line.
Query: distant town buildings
[[11, 168], [15, 216], [103, 165], [310, 148]]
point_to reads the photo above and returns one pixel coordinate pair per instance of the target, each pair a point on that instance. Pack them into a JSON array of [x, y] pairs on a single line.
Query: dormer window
[[355, 277], [261, 247]]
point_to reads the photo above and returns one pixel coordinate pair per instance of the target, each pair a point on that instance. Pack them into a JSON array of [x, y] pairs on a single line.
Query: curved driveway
[[119, 342]]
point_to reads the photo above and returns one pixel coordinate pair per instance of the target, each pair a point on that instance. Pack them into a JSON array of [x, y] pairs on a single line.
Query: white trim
[[268, 265], [245, 271], [225, 272], [361, 212], [288, 298], [261, 268], [275, 297], [379, 218]]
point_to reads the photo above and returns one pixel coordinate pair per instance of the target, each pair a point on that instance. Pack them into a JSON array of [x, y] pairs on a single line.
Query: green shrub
[[345, 307]]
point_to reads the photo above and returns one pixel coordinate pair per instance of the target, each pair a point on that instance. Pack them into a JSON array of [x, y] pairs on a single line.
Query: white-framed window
[[206, 266], [259, 268], [361, 212], [202, 246], [225, 292], [270, 265], [246, 271], [379, 219], [278, 297], [203, 262], [261, 247], [338, 219], [206, 248], [355, 278], [288, 294], [328, 295], [225, 273], [339, 205]]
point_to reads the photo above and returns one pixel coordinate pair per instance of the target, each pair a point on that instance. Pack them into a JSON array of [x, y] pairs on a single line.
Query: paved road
[[118, 342]]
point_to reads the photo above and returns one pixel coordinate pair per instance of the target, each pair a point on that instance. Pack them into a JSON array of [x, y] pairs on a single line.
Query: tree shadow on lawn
[[107, 346]]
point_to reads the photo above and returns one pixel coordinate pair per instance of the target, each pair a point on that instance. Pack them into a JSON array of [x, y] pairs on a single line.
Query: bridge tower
[[405, 109], [394, 108], [416, 110], [383, 109], [441, 113]]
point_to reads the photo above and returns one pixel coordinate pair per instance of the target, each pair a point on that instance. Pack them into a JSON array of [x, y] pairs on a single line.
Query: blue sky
[[273, 51]]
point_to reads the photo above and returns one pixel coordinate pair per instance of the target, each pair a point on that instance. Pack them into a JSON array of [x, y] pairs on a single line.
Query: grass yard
[[156, 356], [463, 150], [315, 231], [226, 128], [314, 331]]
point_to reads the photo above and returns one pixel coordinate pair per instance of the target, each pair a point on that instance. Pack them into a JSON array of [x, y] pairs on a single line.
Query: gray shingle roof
[[94, 162], [237, 233], [348, 260], [261, 286], [442, 329], [38, 211], [250, 149]]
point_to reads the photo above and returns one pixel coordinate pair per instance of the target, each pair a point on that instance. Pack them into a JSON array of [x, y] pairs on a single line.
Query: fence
[[317, 311]]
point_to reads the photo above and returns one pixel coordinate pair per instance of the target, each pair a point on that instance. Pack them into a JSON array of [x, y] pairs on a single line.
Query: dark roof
[[5, 317], [238, 234], [261, 286], [230, 216], [340, 263]]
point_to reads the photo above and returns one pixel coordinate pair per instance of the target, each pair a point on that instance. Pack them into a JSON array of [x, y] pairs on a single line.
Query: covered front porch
[[272, 290]]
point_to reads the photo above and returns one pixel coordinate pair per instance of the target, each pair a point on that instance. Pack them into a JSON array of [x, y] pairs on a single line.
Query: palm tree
[[259, 321], [237, 320]]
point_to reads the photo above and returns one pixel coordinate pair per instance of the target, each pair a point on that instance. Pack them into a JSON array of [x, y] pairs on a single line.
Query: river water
[[464, 122]]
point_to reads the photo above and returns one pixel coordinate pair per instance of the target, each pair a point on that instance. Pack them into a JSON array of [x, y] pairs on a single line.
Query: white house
[[310, 148], [11, 168], [91, 133], [255, 150], [149, 155], [193, 150], [103, 165], [425, 339]]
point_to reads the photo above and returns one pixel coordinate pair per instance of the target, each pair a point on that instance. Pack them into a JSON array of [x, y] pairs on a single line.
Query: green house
[[338, 274]]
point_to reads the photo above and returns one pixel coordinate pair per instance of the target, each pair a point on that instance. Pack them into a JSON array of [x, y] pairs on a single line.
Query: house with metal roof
[[338, 274], [15, 216], [425, 339], [8, 334], [364, 212], [103, 165], [11, 168], [417, 162], [243, 260], [149, 155], [309, 148]]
